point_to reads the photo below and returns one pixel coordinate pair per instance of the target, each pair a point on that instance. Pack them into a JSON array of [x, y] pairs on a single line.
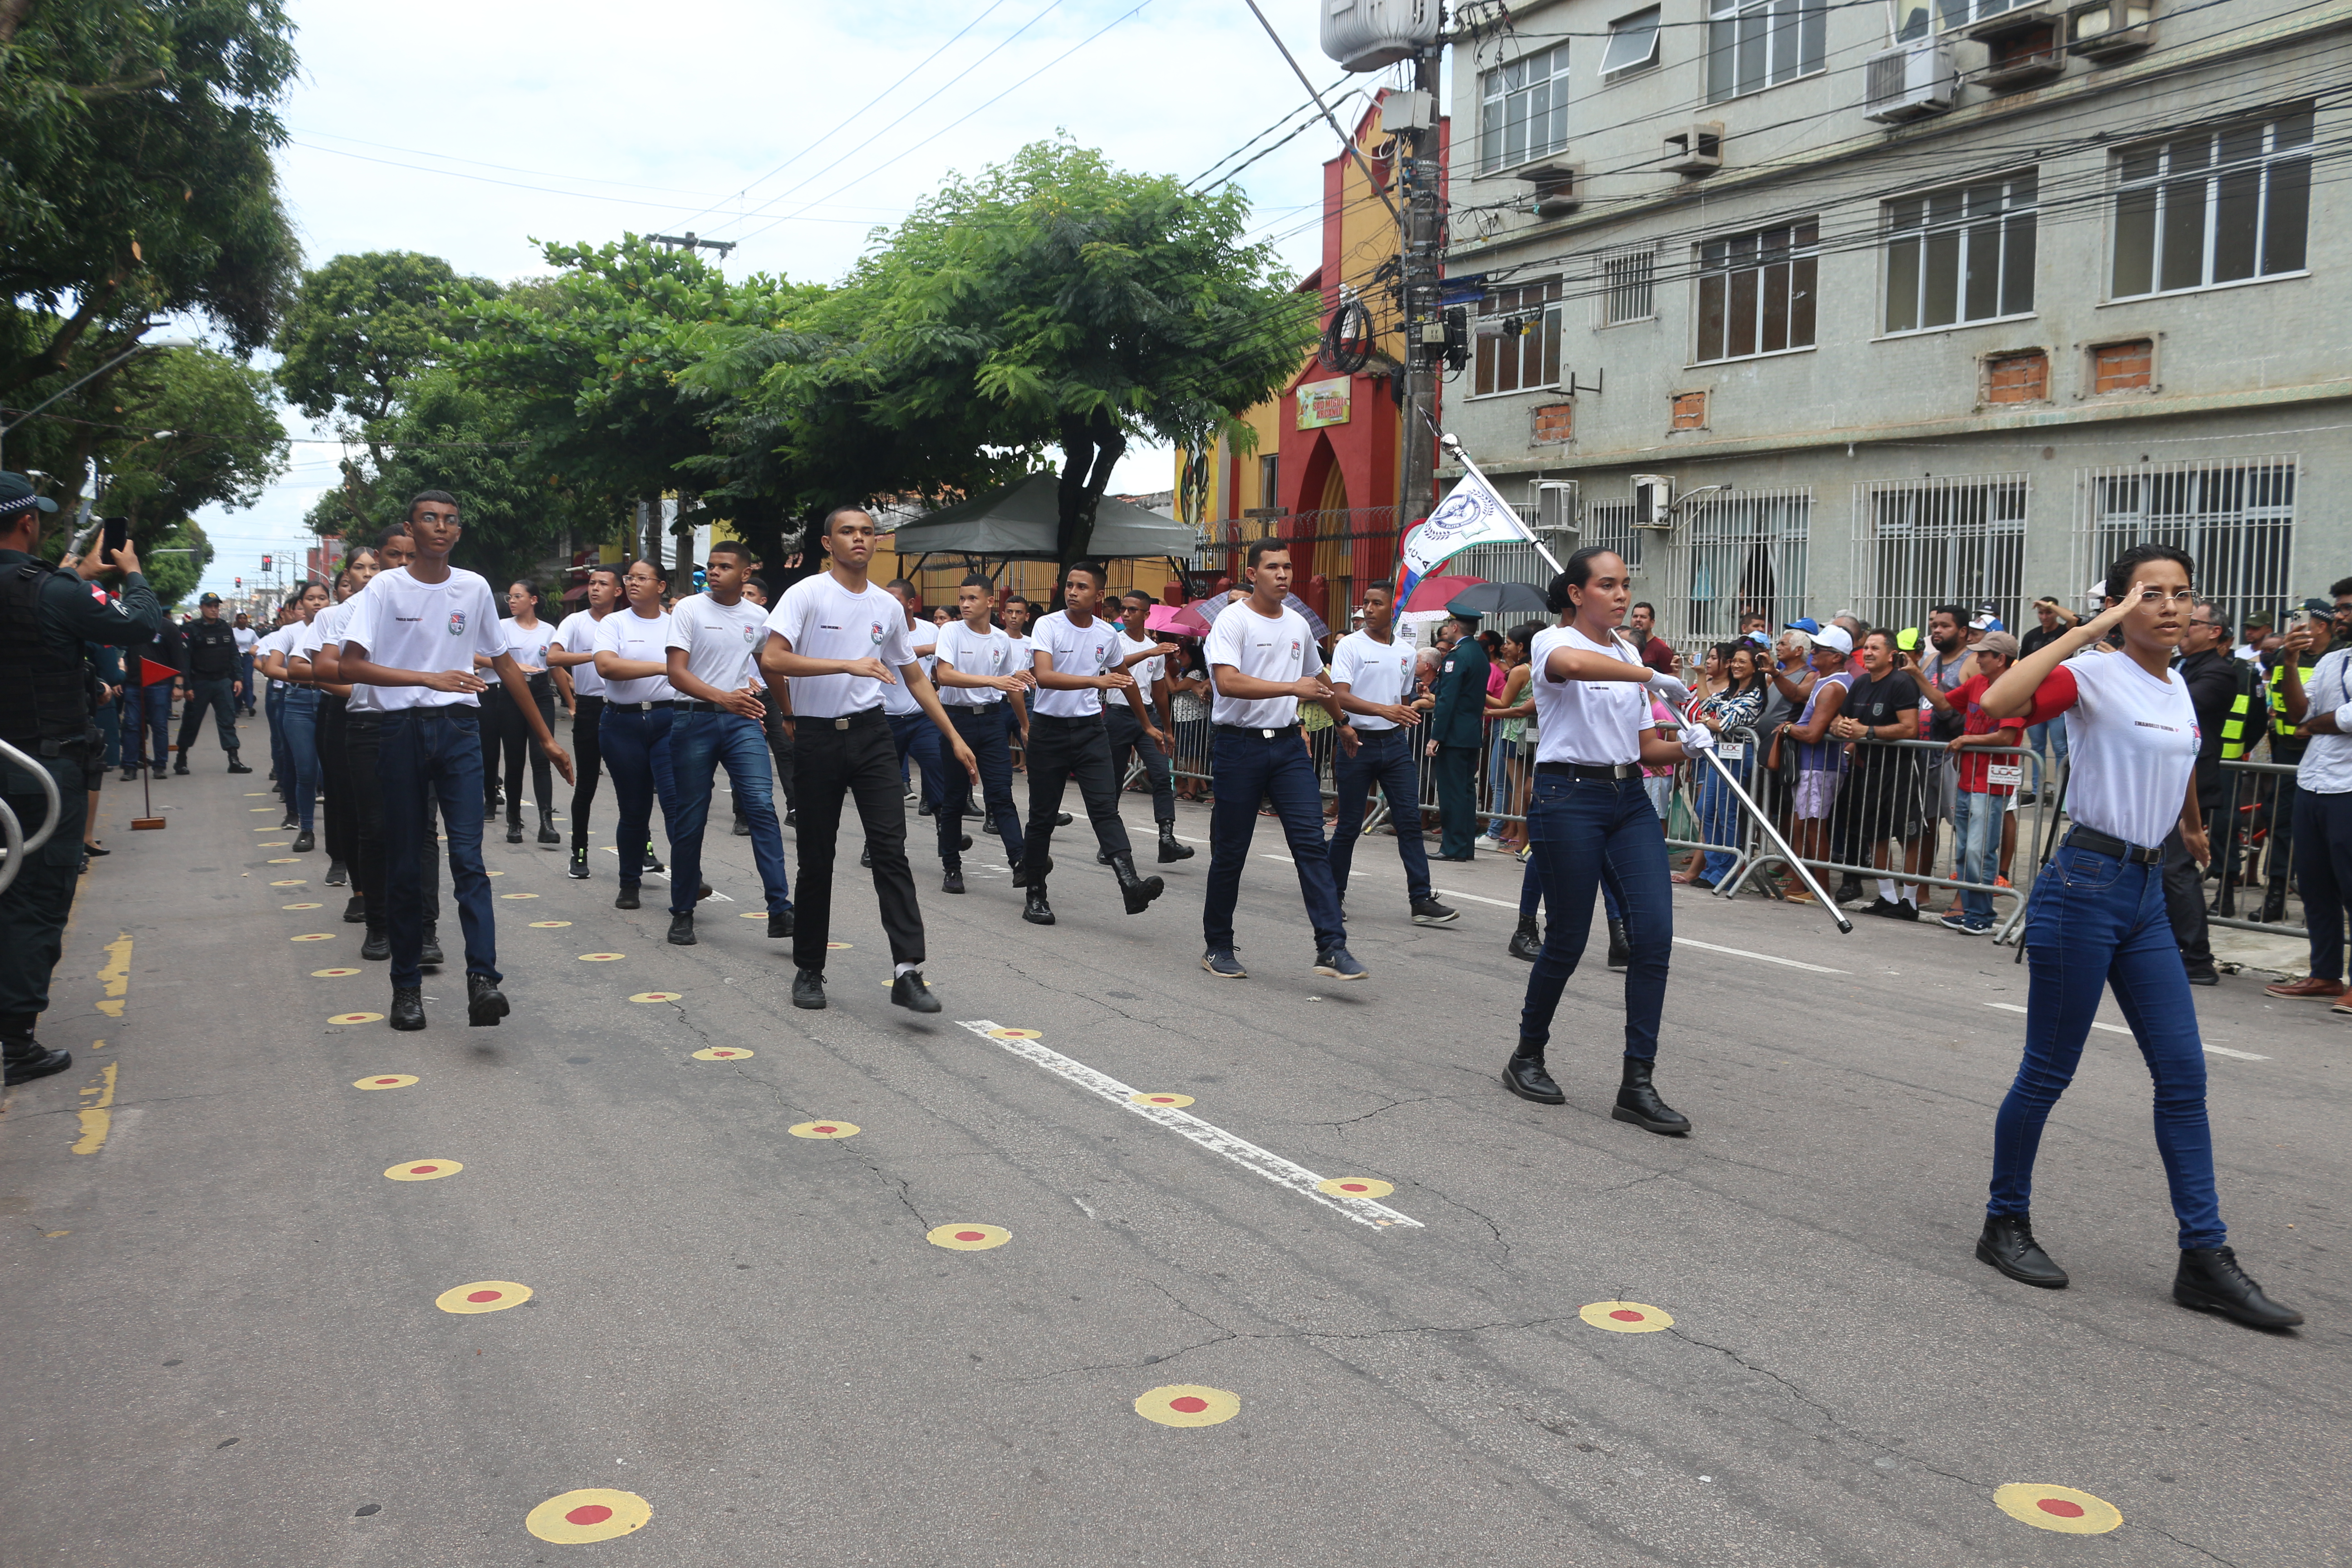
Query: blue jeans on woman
[[1589, 834], [1718, 818], [298, 722], [2095, 922], [635, 742]]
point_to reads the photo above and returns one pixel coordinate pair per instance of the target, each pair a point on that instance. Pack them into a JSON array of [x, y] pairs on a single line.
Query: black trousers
[[853, 757], [209, 692], [506, 734], [335, 779], [369, 875], [1126, 737], [587, 762], [32, 910], [1061, 750], [2184, 899], [780, 749]]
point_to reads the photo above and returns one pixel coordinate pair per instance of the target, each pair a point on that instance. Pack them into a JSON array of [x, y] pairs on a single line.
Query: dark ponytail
[[1578, 572]]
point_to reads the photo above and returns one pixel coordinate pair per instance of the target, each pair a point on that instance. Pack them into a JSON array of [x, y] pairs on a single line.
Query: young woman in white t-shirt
[[2098, 919], [1590, 823]]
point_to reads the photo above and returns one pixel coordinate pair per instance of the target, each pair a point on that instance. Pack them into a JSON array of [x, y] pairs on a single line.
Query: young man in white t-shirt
[[977, 677], [1078, 667], [719, 721], [840, 642], [1263, 662], [571, 657], [1371, 672], [1140, 727], [412, 636]]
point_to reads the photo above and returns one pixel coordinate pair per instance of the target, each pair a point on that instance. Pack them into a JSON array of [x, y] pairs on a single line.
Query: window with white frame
[[1519, 339], [2220, 206], [1632, 44], [1756, 292], [1738, 553], [1628, 288], [1962, 12], [1755, 44], [1961, 254], [1523, 110], [1921, 542]]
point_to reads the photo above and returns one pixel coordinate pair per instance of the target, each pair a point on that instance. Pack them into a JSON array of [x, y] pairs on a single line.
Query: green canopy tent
[[1020, 522]]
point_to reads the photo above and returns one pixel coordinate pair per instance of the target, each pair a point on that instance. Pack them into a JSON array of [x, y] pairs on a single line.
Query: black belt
[[2098, 843], [685, 706], [863, 716], [1253, 731], [1601, 771], [637, 707]]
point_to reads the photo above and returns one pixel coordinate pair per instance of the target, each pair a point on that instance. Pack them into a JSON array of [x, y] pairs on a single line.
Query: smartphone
[[116, 535]]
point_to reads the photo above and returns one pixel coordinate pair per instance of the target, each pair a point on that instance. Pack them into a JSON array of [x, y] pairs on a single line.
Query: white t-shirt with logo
[[635, 637], [578, 634], [968, 652], [822, 619], [922, 638], [246, 637], [1145, 670], [1090, 650], [2131, 744], [1593, 722], [1281, 649], [528, 644], [328, 627], [1374, 671], [428, 627], [721, 641]]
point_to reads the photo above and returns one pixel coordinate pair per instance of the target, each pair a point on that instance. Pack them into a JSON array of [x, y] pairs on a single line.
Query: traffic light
[[264, 563], [240, 584]]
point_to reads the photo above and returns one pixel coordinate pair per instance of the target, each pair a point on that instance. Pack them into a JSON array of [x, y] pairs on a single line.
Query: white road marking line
[[1215, 1139], [2119, 1030]]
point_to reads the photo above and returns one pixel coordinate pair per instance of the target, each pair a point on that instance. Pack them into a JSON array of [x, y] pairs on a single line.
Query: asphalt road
[[223, 1345]]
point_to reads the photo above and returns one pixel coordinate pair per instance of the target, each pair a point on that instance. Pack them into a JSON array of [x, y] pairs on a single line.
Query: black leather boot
[[908, 990], [780, 924], [1168, 848], [1036, 910], [1139, 891], [1638, 1103], [578, 869], [547, 833], [2210, 1280], [808, 989], [25, 1057], [1620, 955], [514, 829], [237, 767], [1523, 1076], [2275, 905], [1525, 943], [429, 953], [485, 1003], [1021, 872], [2008, 1246], [407, 1007], [681, 929]]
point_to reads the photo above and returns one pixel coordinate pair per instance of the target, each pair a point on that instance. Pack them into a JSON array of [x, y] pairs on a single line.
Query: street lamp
[[134, 349]]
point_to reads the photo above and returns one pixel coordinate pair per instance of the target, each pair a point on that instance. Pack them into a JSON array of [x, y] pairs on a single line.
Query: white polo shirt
[[246, 637], [635, 637], [1279, 650], [822, 619], [528, 644], [326, 628], [1145, 670], [968, 652], [280, 641], [1593, 722], [922, 638], [578, 634], [721, 641], [1090, 650], [1374, 671], [428, 627]]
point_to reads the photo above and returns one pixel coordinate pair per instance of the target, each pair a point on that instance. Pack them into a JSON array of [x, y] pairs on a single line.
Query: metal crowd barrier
[[2253, 830], [11, 830]]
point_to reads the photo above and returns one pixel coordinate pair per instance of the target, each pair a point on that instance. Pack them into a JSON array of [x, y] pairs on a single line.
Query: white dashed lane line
[[2119, 1030]]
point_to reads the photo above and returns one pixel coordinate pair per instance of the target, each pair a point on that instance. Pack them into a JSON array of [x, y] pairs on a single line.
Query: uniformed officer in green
[[213, 683], [47, 615]]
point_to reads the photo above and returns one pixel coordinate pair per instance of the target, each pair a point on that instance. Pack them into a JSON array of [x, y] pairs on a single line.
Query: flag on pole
[[153, 674], [1473, 515]]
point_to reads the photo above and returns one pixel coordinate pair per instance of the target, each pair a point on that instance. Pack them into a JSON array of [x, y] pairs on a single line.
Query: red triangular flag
[[153, 674]]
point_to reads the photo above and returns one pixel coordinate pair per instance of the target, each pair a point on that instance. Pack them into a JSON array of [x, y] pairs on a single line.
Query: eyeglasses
[[2158, 596]]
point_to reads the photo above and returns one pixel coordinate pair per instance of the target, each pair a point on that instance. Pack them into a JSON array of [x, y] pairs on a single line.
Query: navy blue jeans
[[298, 721], [147, 711], [424, 754], [983, 730], [915, 734], [2097, 922], [1589, 834], [635, 743], [699, 744], [1385, 757], [1250, 768]]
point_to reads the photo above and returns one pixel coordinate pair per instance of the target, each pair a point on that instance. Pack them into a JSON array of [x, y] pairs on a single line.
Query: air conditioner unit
[[1365, 34], [1556, 510], [2020, 56], [1653, 502], [1909, 82], [1559, 187], [1987, 29], [2110, 29], [1695, 149]]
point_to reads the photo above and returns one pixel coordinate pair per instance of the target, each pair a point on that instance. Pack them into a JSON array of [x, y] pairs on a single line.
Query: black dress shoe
[[237, 767], [780, 924], [866, 857], [578, 869], [2008, 1246], [485, 1003], [1035, 909], [338, 874], [1525, 943], [1523, 1076], [378, 945], [1638, 1102], [28, 1059], [681, 929], [808, 989], [702, 892], [514, 832], [742, 828], [97, 850], [2202, 973], [407, 1007], [428, 953], [964, 842], [1061, 819], [952, 881], [2210, 1280], [627, 898], [1621, 957], [908, 990], [355, 910]]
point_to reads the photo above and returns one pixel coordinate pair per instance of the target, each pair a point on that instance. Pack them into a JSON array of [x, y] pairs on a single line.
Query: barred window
[[1922, 542], [1756, 292], [1961, 254], [1519, 339], [1628, 288], [1523, 110], [1755, 44], [2235, 516], [1737, 554], [2220, 206]]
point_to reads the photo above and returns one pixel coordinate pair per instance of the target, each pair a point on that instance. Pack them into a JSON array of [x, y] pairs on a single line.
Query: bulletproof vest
[[45, 696]]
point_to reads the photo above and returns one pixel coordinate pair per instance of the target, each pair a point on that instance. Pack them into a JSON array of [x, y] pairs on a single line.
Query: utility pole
[[1422, 253], [688, 241]]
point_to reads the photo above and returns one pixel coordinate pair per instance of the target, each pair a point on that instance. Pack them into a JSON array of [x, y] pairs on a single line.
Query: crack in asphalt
[[1367, 1116], [2191, 1546], [901, 1183], [1285, 1334]]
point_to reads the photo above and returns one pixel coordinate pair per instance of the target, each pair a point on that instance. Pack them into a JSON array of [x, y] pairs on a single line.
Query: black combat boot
[[1139, 891], [1168, 848], [2008, 1246], [1638, 1103], [1523, 1076], [1525, 943], [1620, 955]]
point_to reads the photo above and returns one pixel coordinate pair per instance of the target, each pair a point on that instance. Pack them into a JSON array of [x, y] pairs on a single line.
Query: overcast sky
[[470, 130]]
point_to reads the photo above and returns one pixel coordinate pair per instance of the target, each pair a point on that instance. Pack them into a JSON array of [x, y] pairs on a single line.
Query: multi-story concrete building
[[1897, 306]]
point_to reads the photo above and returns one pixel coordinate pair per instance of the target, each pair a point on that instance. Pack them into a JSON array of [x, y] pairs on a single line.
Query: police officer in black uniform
[[47, 615], [211, 683]]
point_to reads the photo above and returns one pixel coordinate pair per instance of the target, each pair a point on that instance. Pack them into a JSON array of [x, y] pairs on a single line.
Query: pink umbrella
[[1431, 593], [1181, 620]]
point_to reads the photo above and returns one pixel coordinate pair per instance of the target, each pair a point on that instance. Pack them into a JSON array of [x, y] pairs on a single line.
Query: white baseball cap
[[1835, 637]]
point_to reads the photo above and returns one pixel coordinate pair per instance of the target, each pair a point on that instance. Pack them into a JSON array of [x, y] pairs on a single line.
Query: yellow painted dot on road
[[1016, 1034], [483, 1296], [424, 1170], [1355, 1187], [549, 925], [658, 996], [494, 873], [2062, 1509], [968, 1237], [257, 795], [283, 860], [357, 1018], [332, 973], [1625, 1317], [1188, 1404], [259, 809], [290, 882], [387, 1080], [518, 894], [723, 1054], [601, 957], [316, 936], [591, 1513], [1173, 1101], [837, 946], [825, 1129], [302, 906]]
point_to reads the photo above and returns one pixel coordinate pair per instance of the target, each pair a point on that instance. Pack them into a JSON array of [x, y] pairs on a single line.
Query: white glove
[[1696, 738], [1666, 686]]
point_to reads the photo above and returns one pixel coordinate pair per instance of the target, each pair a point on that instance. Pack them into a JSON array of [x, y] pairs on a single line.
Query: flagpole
[[1454, 444]]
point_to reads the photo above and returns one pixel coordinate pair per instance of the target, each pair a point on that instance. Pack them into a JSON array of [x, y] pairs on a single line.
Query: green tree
[[453, 435]]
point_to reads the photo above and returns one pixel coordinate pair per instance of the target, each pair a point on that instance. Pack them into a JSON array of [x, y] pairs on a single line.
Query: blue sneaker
[[1964, 926], [1222, 963], [1337, 962]]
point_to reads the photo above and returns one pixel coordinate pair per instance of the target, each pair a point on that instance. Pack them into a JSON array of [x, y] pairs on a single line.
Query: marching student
[[2098, 921], [1371, 676], [1017, 612], [1132, 732], [412, 636], [528, 638], [572, 655], [1263, 661], [720, 721], [298, 716], [776, 714], [976, 675], [633, 659], [841, 642], [911, 732], [360, 568], [1592, 822], [1076, 660]]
